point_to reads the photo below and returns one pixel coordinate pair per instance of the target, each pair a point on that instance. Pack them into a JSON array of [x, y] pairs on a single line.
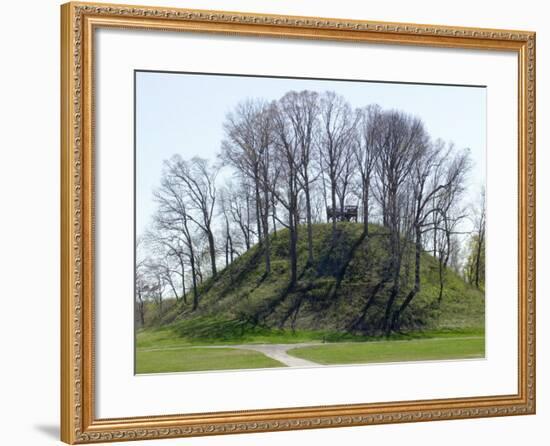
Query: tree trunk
[[416, 288], [395, 268], [478, 257], [441, 281], [226, 251], [435, 231], [274, 214], [366, 206], [141, 310], [194, 277], [230, 248], [199, 274], [333, 200], [184, 291], [309, 225], [323, 183], [160, 304], [293, 238], [212, 248], [173, 288], [386, 325], [293, 257], [265, 220], [258, 211]]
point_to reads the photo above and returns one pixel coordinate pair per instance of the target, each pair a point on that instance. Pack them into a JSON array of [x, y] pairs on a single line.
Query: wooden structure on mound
[[348, 213]]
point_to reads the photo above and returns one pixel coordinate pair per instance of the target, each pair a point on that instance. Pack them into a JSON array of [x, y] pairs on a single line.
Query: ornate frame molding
[[78, 424]]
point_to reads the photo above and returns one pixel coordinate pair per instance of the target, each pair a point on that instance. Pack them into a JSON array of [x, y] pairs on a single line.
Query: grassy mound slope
[[244, 304]]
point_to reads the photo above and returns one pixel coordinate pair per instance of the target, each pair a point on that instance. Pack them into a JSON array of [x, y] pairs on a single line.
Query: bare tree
[[197, 180], [293, 161], [337, 125], [167, 245], [346, 176], [173, 217], [402, 143], [449, 213], [141, 285], [300, 110], [239, 206], [202, 257], [476, 258], [288, 188], [157, 284], [365, 153], [227, 202], [247, 148], [436, 177]]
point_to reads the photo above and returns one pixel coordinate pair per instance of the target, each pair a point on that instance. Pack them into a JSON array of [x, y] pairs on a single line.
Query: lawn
[[160, 354], [188, 333], [393, 351], [177, 337], [189, 359]]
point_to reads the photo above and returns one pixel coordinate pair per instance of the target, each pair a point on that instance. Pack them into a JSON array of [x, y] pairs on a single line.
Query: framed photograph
[[275, 223]]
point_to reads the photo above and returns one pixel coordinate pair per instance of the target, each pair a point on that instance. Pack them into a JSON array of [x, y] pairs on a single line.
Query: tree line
[[301, 160]]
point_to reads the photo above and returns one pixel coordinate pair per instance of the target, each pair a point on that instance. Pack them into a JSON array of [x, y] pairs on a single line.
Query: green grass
[[175, 336], [193, 333], [189, 359], [243, 304], [160, 351], [394, 351]]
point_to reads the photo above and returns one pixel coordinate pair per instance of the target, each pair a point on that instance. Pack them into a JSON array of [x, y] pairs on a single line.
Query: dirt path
[[279, 353]]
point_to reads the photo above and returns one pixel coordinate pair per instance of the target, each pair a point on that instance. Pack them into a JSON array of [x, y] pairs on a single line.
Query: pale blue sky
[[183, 113]]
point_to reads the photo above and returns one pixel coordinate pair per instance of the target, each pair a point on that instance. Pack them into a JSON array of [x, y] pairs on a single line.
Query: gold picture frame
[[78, 23]]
